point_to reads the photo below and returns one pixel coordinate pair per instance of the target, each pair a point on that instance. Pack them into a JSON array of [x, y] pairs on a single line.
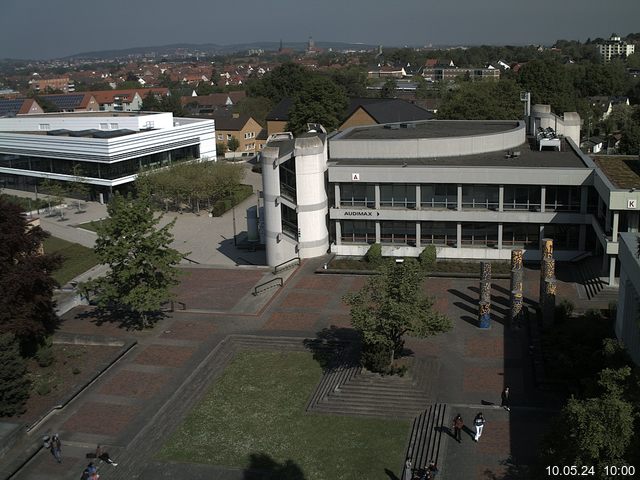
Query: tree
[[141, 262], [256, 107], [26, 303], [14, 383], [392, 305], [485, 100], [319, 101], [221, 148], [150, 103], [630, 141], [549, 83], [79, 186], [388, 88], [233, 144], [283, 81]]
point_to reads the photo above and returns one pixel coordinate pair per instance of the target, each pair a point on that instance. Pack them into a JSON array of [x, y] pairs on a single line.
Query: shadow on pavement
[[330, 343], [263, 467]]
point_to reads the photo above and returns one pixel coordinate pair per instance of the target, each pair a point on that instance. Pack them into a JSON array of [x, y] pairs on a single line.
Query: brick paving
[[135, 405]]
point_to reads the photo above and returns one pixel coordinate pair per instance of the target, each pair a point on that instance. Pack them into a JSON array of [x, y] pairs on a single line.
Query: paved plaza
[[134, 406]]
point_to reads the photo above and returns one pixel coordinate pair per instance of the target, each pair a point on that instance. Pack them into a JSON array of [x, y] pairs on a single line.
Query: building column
[[616, 222], [459, 195], [459, 235], [584, 195], [501, 201], [418, 198], [499, 236], [336, 192], [582, 238], [612, 271], [543, 200], [540, 239], [417, 234], [377, 232], [338, 224], [377, 195]]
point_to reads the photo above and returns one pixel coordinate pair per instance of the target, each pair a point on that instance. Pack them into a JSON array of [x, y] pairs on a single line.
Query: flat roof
[[529, 157], [622, 170], [88, 114], [428, 129]]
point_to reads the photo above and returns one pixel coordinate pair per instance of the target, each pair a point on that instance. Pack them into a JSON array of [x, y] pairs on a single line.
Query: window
[[229, 136], [357, 195], [562, 199], [439, 196], [479, 235], [398, 195], [522, 197], [289, 222], [44, 126], [104, 126], [249, 135], [439, 233], [398, 232], [220, 137], [525, 235], [565, 237], [480, 197], [358, 231], [113, 126]]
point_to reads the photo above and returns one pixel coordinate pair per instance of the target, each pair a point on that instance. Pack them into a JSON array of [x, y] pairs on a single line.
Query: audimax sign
[[360, 213]]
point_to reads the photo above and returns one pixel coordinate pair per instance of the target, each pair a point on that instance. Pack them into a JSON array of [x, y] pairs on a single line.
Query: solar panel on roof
[[10, 106]]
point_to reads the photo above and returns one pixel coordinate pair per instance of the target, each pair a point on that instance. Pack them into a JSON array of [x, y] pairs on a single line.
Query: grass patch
[[76, 258], [254, 416], [92, 226]]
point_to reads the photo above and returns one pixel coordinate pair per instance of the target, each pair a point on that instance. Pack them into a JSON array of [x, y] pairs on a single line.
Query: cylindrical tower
[[272, 214], [311, 196]]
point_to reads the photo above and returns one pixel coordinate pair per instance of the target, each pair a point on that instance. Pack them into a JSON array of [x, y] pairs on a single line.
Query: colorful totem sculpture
[[484, 309], [548, 282], [517, 278]]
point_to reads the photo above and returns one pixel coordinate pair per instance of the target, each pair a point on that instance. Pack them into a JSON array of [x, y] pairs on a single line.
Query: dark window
[[480, 196], [289, 221], [439, 233], [521, 197], [526, 235], [479, 234], [439, 196], [357, 195], [398, 195], [398, 232], [358, 231]]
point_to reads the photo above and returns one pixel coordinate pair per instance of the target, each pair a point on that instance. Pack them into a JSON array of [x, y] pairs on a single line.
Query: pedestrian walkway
[[134, 406]]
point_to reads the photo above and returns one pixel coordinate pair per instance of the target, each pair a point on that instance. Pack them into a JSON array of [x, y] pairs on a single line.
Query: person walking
[[505, 399], [408, 470], [458, 425], [478, 422], [56, 447]]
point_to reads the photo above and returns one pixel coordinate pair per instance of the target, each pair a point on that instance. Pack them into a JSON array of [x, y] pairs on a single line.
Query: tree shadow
[[263, 467], [510, 471], [335, 345], [390, 474], [125, 319], [508, 293]]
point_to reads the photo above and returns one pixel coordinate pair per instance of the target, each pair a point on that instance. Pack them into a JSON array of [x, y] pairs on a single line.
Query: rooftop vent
[[407, 125]]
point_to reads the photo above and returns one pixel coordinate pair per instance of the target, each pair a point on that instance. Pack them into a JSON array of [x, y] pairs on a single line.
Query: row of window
[[107, 171], [445, 196], [445, 234], [247, 136]]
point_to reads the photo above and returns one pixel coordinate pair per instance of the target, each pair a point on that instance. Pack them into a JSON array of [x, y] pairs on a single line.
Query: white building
[[109, 148], [627, 326], [615, 47]]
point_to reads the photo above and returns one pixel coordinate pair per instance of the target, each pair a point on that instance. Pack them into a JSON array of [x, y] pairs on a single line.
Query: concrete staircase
[[425, 440]]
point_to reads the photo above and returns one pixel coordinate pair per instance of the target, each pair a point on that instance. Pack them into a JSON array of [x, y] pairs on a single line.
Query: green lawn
[[92, 225], [77, 259], [256, 411]]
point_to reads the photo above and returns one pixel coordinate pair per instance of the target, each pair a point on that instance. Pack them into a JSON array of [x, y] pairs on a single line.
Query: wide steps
[[426, 437], [364, 410]]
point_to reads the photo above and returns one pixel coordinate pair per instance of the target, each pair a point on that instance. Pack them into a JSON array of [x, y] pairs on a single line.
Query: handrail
[[284, 265], [189, 260], [277, 279]]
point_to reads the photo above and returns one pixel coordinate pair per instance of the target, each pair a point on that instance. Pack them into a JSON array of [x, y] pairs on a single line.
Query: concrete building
[[109, 148], [474, 189], [615, 47], [627, 326]]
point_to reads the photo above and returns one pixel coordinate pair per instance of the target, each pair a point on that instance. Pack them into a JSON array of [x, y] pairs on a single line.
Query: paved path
[[134, 406]]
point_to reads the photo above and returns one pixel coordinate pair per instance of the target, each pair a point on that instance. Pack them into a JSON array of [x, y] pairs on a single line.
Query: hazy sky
[[55, 28]]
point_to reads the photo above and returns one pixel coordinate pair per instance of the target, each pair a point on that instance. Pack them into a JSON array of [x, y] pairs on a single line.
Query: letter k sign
[[632, 203]]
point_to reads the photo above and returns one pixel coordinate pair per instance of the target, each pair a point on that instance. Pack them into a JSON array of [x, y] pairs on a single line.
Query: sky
[[43, 29]]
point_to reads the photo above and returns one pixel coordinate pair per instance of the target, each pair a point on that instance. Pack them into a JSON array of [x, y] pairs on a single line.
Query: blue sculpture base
[[485, 321]]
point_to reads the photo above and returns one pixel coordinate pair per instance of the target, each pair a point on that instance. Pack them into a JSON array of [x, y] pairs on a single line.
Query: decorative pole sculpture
[[484, 309], [517, 278], [548, 282]]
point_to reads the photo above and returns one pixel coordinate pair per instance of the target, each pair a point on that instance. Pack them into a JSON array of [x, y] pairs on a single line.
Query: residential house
[[10, 107], [126, 100], [207, 104], [73, 102], [605, 104], [243, 127], [39, 84], [615, 47]]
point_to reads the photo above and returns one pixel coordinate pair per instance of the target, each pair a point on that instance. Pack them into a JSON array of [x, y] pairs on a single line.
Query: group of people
[[428, 472], [479, 420], [54, 445]]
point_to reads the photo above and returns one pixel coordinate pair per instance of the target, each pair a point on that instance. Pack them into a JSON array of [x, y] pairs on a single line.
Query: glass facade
[[398, 195], [439, 196], [398, 232], [480, 235], [108, 171], [562, 199], [565, 237], [439, 233], [357, 195], [358, 232], [480, 196], [289, 221], [522, 197], [288, 179], [523, 235]]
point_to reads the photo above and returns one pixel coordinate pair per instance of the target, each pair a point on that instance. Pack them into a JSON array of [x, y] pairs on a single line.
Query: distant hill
[[211, 49]]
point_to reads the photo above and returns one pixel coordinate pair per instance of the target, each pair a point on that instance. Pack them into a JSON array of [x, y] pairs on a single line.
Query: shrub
[[43, 387], [564, 310], [45, 357], [76, 370], [374, 255], [428, 257], [376, 357]]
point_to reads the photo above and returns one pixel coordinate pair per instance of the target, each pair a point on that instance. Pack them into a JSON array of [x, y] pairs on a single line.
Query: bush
[[428, 257], [43, 387], [76, 370], [374, 255], [221, 206], [45, 357], [564, 310], [376, 357]]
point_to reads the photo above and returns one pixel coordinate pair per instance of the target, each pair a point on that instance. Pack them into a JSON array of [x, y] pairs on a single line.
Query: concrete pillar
[[336, 193], [500, 202], [377, 195], [417, 234], [459, 198], [543, 200], [616, 222], [584, 195], [338, 225], [500, 229], [612, 271], [418, 197], [459, 235], [582, 238], [377, 232]]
